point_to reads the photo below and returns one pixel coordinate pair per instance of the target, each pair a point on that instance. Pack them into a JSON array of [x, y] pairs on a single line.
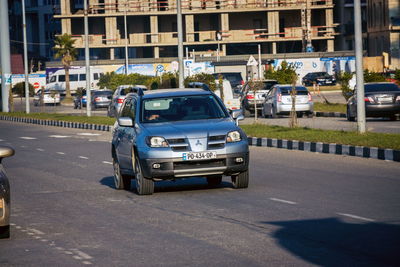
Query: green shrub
[[370, 77], [204, 78], [285, 74], [111, 80]]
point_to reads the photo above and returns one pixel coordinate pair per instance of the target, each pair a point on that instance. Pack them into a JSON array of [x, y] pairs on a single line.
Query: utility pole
[[87, 59], [259, 63], [180, 43], [5, 55], [126, 39], [359, 67], [25, 59]]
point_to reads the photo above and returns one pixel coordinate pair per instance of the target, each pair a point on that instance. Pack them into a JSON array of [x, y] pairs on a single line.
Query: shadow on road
[[190, 184], [329, 242]]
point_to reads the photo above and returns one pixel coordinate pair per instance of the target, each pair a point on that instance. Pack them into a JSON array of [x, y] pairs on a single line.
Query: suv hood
[[190, 129]]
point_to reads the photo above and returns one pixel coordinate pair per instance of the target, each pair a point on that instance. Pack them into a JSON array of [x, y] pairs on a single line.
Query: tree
[[283, 74], [19, 89], [204, 78], [64, 49], [397, 76], [344, 78]]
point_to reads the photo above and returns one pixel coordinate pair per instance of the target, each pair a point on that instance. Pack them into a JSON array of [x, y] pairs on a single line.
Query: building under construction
[[210, 28]]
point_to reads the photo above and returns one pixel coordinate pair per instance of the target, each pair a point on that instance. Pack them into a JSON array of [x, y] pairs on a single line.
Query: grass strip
[[63, 117], [333, 107], [369, 139], [381, 140]]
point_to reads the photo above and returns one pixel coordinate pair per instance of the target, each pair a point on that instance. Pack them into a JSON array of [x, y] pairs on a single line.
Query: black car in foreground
[[320, 78], [4, 195], [381, 100]]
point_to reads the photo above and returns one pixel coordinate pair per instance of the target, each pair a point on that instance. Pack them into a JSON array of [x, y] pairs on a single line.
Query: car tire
[[241, 180], [120, 181], [143, 186], [310, 115], [300, 115], [349, 118], [247, 113], [214, 180], [273, 113], [4, 231]]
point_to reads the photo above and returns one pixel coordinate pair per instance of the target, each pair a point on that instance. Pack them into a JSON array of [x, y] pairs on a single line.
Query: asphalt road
[[301, 209]]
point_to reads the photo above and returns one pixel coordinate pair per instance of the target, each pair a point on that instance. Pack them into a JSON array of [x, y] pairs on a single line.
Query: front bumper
[[171, 168], [4, 199]]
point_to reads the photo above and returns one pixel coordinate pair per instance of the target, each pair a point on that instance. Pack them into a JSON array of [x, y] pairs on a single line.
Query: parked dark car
[[320, 78], [4, 195], [381, 100], [235, 78]]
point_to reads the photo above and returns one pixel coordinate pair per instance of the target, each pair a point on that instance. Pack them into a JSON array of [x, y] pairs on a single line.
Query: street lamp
[[87, 59], [126, 39], [180, 42], [25, 59]]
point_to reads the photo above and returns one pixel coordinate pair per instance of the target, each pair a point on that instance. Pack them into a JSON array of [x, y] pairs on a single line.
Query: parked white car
[[279, 101], [49, 97]]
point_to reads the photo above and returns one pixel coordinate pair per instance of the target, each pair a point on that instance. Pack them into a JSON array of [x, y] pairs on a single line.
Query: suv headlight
[[157, 141], [233, 136]]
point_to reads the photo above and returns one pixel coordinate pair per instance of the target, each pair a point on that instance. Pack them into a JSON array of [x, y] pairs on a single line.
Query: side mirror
[[6, 152], [237, 115], [125, 122]]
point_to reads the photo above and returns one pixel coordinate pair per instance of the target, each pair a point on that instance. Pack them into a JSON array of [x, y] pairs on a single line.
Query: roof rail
[[200, 85]]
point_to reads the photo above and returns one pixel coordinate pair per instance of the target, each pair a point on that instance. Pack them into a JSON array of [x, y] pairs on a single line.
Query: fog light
[[239, 160], [156, 165]]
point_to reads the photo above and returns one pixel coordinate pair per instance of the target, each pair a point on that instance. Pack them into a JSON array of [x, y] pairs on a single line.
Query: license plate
[[199, 155], [328, 81]]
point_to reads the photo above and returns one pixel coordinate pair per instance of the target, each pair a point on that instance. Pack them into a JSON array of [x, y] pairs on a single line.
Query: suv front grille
[[182, 144]]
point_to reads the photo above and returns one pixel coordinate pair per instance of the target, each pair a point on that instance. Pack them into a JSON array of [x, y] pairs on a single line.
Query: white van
[[77, 79]]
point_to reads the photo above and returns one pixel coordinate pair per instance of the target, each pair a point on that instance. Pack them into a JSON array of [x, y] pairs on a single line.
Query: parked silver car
[[279, 101], [176, 133], [119, 96], [4, 195]]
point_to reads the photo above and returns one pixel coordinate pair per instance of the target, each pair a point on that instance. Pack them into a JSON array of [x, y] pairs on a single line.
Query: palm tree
[[64, 49]]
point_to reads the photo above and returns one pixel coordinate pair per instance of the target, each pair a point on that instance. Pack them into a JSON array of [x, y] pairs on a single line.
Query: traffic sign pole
[[5, 55]]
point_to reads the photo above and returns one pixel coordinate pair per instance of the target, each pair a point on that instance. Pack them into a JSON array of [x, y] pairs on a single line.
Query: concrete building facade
[[384, 30], [278, 26]]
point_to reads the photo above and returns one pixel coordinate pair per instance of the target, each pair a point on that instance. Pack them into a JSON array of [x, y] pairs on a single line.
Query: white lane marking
[[59, 136], [28, 138], [83, 255], [356, 217], [107, 162], [88, 134], [86, 262], [1, 140], [60, 153], [82, 157], [23, 146], [283, 201], [44, 240], [37, 232], [40, 149]]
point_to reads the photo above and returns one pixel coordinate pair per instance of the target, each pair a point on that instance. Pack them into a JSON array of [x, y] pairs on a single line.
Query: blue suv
[[169, 134]]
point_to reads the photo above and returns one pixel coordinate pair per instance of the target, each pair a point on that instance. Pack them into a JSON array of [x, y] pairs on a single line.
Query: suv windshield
[[182, 108]]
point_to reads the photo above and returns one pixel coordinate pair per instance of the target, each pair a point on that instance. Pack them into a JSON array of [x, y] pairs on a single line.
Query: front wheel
[[4, 231], [121, 181], [143, 186], [241, 180], [349, 117], [214, 180]]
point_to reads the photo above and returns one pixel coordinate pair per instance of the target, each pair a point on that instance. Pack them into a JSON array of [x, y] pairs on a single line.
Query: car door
[[128, 135]]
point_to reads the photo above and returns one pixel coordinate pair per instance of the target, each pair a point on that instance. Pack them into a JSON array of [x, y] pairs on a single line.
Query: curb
[[329, 114], [319, 147], [57, 123]]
